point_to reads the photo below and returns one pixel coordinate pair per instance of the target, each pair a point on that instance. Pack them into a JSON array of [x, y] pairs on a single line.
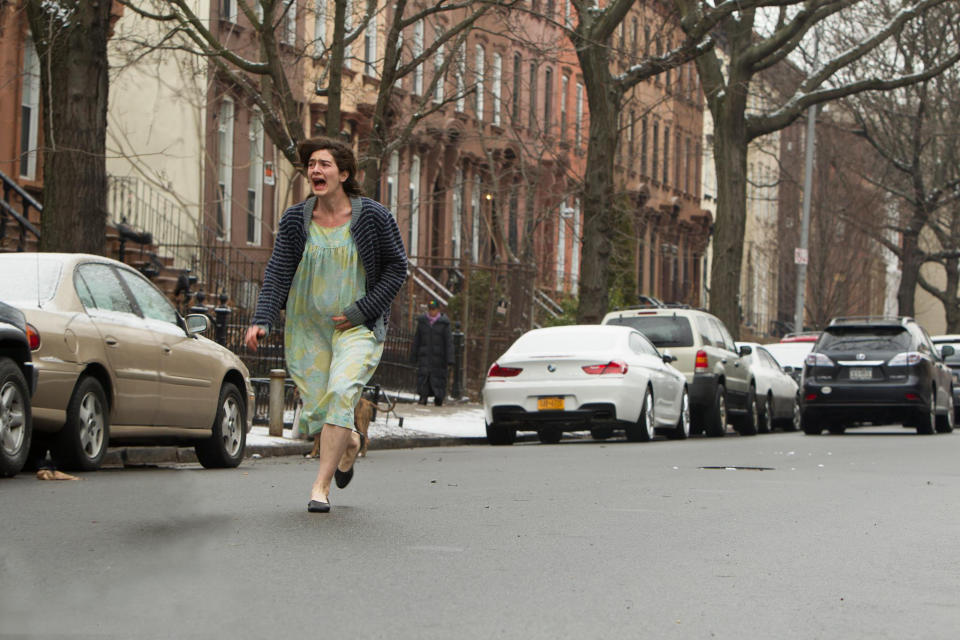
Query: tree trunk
[[598, 186], [730, 152], [911, 259], [71, 43]]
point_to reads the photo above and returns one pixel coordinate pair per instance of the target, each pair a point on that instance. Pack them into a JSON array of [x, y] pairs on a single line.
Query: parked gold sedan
[[118, 365]]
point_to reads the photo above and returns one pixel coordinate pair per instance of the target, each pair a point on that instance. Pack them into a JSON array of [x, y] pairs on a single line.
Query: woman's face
[[325, 177]]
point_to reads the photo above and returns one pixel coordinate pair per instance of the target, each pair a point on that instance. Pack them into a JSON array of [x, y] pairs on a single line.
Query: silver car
[[117, 364]]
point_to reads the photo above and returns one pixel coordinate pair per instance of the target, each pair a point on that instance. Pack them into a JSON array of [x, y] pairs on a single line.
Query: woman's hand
[[340, 323], [252, 338]]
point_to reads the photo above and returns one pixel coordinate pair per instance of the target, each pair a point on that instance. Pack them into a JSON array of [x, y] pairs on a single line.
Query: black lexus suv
[[876, 370]]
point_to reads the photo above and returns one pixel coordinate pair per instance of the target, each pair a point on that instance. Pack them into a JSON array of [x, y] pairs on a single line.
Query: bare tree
[[914, 132], [864, 58], [71, 41]]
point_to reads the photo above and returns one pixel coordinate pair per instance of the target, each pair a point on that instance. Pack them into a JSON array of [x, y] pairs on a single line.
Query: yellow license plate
[[549, 404]]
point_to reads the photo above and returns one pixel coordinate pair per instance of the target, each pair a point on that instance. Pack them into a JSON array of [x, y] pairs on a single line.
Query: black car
[[17, 382], [876, 370]]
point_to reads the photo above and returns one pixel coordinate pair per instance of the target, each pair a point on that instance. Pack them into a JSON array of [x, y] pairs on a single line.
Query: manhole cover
[[739, 468]]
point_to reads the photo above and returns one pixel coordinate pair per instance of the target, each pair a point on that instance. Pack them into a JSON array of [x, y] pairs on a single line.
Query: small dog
[[363, 414]]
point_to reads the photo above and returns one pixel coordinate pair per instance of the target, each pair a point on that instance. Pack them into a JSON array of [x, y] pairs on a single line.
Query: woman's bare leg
[[336, 444]]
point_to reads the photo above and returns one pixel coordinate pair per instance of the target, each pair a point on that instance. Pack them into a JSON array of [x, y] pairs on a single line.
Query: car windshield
[[561, 342], [29, 279], [662, 331], [865, 339]]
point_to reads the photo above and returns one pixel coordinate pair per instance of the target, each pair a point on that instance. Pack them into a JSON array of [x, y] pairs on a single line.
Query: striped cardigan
[[381, 252]]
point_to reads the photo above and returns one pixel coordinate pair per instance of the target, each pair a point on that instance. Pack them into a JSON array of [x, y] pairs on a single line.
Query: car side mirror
[[788, 369], [197, 323], [947, 350], [669, 357], [746, 350]]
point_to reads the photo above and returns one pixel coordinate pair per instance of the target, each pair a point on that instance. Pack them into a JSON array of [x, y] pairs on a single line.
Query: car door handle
[[166, 349], [723, 361], [111, 342]]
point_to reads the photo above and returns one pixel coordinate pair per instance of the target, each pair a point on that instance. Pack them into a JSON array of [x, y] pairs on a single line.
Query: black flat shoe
[[315, 506], [343, 478]]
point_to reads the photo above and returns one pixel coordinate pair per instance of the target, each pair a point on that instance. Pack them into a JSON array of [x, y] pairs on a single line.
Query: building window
[[565, 213], [513, 213], [370, 48], [630, 135], [458, 188], [634, 29], [393, 180], [515, 98], [225, 168], [666, 155], [547, 98], [643, 146], [319, 28], [228, 10], [290, 22], [347, 28], [532, 119], [655, 151], [29, 110], [479, 89], [567, 15], [255, 182], [417, 52], [688, 161], [414, 240], [437, 67], [678, 161], [575, 250], [497, 88], [461, 64], [578, 138], [475, 218], [564, 84]]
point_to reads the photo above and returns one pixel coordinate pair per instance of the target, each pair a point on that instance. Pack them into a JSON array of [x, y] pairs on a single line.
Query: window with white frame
[[547, 98], [532, 112], [457, 214], [475, 219], [479, 89], [319, 27], [578, 136], [437, 67], [290, 22], [564, 86], [393, 182], [575, 249], [414, 241], [255, 183], [225, 167], [417, 52], [497, 86], [461, 82], [562, 222], [398, 83], [347, 27], [228, 10], [29, 110], [370, 48]]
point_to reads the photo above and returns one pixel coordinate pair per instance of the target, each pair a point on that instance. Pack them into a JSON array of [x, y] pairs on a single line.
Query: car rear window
[[865, 339], [29, 280], [560, 342], [662, 331]]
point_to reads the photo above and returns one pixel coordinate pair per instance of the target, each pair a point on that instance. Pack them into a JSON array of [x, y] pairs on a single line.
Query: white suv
[[718, 380]]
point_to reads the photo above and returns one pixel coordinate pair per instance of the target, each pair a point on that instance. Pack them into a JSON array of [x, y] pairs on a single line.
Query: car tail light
[[906, 359], [817, 360], [912, 397], [33, 337], [701, 364], [614, 366], [810, 396], [496, 371]]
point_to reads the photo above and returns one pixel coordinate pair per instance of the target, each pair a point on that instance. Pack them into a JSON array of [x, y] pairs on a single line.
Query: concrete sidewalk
[[409, 425]]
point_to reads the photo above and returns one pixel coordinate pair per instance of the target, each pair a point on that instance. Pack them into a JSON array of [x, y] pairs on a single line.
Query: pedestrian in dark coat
[[432, 352]]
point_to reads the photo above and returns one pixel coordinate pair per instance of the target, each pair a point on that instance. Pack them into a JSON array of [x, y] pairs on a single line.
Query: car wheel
[[748, 425], [810, 427], [682, 430], [794, 423], [837, 429], [550, 435], [601, 433], [927, 419], [499, 435], [945, 423], [717, 418], [82, 443], [766, 415], [15, 424], [224, 448], [643, 429]]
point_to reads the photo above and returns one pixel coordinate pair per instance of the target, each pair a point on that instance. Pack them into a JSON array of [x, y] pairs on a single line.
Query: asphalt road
[[847, 536]]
